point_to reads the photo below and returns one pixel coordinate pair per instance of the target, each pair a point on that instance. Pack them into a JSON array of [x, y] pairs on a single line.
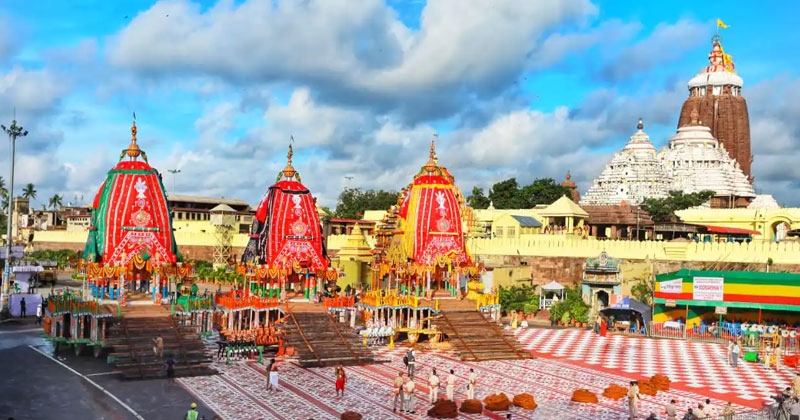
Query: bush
[[572, 306], [515, 298]]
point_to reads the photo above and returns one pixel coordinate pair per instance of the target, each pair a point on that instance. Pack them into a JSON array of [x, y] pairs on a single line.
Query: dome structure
[[429, 229], [715, 92], [695, 161], [764, 201], [287, 233], [131, 222], [634, 174]]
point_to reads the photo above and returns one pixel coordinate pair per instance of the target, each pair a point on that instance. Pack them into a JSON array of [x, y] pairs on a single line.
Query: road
[[37, 384]]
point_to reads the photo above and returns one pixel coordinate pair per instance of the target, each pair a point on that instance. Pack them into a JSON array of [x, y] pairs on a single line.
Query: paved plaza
[[692, 366], [36, 386], [239, 393]]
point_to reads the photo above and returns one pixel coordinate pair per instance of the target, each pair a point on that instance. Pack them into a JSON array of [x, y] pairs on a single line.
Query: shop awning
[[730, 231]]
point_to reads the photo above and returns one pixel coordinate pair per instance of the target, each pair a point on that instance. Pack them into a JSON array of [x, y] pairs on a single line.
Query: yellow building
[[564, 215], [513, 226], [772, 224], [353, 260]]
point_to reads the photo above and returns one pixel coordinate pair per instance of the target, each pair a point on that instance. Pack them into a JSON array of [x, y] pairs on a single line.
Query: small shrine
[[602, 280]]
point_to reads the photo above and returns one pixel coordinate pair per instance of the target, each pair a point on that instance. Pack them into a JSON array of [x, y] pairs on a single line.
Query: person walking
[[398, 392], [22, 307], [274, 383], [39, 313], [412, 363], [340, 381], [269, 369], [433, 387], [192, 414], [473, 380], [410, 387], [158, 347], [730, 352], [633, 400], [735, 355], [451, 385], [169, 366]]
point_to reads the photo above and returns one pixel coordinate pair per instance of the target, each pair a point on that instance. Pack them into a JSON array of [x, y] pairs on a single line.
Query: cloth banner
[[32, 301]]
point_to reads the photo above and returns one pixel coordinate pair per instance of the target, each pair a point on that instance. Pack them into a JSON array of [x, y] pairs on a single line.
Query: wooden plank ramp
[[474, 338], [131, 341], [321, 341]]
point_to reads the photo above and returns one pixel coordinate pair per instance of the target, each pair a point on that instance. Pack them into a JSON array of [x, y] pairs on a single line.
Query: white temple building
[[764, 201], [692, 162], [634, 174], [695, 161]]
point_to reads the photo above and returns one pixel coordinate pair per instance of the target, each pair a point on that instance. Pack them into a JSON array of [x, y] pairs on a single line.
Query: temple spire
[[432, 164], [133, 150], [640, 126], [289, 171]]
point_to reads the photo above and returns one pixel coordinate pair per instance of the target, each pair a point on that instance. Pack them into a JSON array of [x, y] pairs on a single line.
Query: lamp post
[[13, 132], [173, 172]]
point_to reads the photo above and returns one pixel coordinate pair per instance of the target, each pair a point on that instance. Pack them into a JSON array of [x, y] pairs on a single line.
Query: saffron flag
[[721, 24]]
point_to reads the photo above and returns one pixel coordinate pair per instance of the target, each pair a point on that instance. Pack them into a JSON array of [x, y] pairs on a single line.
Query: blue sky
[[514, 88]]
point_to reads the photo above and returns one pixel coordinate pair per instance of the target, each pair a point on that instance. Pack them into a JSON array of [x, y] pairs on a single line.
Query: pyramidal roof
[[635, 173], [696, 161]]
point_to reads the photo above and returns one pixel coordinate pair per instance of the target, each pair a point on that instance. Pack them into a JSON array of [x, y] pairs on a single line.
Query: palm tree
[[56, 201], [3, 194], [29, 191]]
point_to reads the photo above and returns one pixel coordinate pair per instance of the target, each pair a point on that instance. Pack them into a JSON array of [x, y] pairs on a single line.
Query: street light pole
[[173, 172], [13, 132]]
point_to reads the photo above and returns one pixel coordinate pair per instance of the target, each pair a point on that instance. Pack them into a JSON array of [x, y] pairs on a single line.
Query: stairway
[[321, 341], [131, 339], [474, 338]]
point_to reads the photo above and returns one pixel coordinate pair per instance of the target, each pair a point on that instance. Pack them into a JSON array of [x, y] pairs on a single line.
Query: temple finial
[[432, 154], [133, 151], [640, 126], [432, 165], [289, 171]]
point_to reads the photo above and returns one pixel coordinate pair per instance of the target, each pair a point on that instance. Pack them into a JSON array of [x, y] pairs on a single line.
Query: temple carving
[[716, 93], [634, 174]]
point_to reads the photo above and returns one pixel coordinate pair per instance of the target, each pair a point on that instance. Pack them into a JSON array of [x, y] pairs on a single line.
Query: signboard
[[670, 303], [721, 310], [16, 252], [671, 286], [708, 288]]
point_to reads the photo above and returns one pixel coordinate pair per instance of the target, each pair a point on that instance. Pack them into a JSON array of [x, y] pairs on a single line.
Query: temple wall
[[499, 252]]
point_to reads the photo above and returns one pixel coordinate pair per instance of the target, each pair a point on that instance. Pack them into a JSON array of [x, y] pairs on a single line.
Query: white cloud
[[353, 55]]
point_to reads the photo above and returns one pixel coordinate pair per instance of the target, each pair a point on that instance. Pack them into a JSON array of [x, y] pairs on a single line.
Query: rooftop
[[205, 200]]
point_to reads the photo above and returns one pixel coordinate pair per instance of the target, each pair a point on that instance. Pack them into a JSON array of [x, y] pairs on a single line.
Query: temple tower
[[716, 93]]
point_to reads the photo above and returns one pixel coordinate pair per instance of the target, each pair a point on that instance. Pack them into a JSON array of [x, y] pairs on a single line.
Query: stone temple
[[716, 93], [635, 173], [695, 161]]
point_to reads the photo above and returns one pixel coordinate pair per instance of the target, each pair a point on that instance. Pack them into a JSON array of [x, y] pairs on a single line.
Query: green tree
[[509, 194], [353, 202], [505, 195], [663, 209], [477, 200], [543, 191], [56, 201], [29, 191]]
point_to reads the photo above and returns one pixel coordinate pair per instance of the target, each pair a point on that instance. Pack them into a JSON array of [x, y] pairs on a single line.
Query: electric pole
[[173, 172], [14, 131]]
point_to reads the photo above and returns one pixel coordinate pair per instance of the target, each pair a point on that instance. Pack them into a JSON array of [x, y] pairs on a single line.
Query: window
[[498, 231], [512, 232]]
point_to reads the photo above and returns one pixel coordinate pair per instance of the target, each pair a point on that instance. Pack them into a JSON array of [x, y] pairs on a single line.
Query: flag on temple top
[[721, 24]]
